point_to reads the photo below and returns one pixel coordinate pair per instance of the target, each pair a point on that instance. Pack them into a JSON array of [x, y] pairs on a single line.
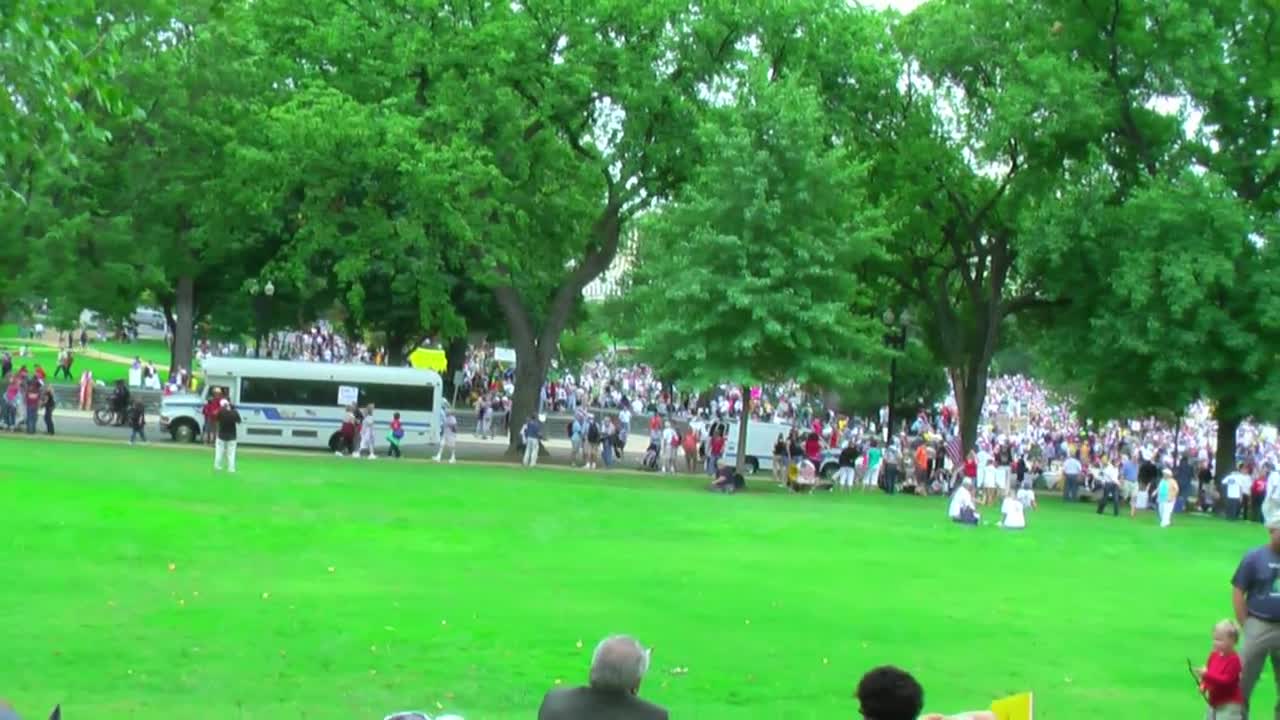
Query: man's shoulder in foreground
[[585, 703]]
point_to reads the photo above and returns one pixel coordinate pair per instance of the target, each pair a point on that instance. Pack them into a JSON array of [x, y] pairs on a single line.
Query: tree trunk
[[743, 420], [1225, 459], [397, 352], [535, 348], [971, 394], [455, 357], [531, 372], [184, 324]]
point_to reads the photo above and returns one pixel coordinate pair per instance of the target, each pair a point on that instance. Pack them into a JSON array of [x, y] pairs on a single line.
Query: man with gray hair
[[617, 667]]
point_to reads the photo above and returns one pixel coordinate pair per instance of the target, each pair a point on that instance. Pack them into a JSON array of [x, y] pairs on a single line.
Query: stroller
[[650, 459]]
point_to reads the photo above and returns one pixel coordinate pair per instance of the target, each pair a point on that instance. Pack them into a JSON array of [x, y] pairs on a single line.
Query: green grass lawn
[[157, 351], [47, 357], [311, 587]]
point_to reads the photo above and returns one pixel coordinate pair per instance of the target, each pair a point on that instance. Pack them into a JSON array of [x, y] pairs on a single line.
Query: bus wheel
[[184, 431], [335, 442], [753, 465]]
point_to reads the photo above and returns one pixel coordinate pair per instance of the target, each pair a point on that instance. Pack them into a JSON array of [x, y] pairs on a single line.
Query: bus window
[[399, 397]]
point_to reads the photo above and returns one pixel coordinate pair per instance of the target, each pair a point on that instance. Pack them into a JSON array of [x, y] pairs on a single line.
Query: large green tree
[[1164, 246], [58, 63], [963, 143], [548, 127], [746, 277]]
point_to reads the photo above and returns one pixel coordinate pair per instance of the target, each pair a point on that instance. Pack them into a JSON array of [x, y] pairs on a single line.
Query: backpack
[[593, 433]]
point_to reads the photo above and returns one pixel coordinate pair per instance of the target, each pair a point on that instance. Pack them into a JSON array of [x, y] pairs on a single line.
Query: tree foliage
[[745, 277]]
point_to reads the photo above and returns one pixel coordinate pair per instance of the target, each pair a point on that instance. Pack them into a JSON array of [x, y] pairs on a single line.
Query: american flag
[[954, 452]]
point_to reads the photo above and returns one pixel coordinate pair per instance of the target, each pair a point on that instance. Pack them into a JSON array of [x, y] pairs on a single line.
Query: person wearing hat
[[1166, 497], [1256, 601], [224, 448]]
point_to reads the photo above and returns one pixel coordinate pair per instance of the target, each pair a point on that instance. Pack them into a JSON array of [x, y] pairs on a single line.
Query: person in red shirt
[[1220, 676], [717, 452], [1258, 493], [210, 411], [971, 466], [813, 448]]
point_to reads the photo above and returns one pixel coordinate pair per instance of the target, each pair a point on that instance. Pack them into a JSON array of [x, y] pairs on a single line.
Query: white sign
[[348, 395], [504, 355]]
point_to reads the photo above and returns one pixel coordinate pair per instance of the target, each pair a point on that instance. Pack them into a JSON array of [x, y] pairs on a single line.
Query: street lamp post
[[261, 300], [895, 339]]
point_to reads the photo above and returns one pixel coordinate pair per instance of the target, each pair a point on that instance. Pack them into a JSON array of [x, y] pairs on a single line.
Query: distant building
[[612, 281]]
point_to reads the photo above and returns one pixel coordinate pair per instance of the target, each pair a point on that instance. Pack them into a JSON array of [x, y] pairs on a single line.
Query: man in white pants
[[224, 448], [449, 438], [532, 434], [669, 445]]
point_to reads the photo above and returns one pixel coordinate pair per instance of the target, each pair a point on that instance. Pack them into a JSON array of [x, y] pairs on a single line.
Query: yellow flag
[[1014, 707]]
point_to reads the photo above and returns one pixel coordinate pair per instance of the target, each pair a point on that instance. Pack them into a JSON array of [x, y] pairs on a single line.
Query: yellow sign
[[428, 359], [1014, 707]]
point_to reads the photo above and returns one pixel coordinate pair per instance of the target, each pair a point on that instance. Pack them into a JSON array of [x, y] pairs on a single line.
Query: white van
[[302, 404], [761, 437], [149, 317]]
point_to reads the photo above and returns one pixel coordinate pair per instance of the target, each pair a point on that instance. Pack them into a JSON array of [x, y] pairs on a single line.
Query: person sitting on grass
[[807, 478], [1013, 515], [962, 509], [617, 669], [1220, 676], [728, 480]]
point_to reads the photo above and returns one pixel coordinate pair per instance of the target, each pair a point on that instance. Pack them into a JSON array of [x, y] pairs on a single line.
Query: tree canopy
[[1103, 174]]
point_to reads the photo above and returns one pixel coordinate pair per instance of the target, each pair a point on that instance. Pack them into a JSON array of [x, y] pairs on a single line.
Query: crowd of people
[[318, 343], [27, 394]]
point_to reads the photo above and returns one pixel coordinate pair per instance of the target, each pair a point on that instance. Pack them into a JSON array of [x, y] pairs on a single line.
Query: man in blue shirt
[[1129, 473], [1255, 596], [532, 434]]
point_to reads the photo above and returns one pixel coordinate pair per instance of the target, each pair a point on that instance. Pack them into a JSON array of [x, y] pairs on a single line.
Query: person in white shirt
[[1234, 487], [1271, 506], [962, 509], [670, 443], [1071, 471], [1012, 514], [1110, 488], [986, 478]]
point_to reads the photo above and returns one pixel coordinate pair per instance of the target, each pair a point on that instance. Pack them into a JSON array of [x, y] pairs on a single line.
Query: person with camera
[[224, 448]]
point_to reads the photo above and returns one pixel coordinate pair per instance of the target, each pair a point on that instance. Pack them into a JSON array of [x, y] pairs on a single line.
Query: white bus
[[761, 437], [302, 404]]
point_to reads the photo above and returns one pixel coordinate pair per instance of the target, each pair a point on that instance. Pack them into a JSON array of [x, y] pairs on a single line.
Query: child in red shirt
[[1220, 676]]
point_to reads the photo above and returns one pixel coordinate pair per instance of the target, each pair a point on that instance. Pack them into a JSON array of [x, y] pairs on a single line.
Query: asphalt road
[[556, 452]]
